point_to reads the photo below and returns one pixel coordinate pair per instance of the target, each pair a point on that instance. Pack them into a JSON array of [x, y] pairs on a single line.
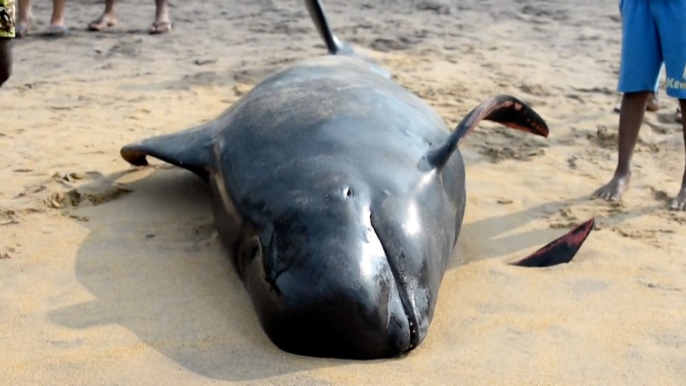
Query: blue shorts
[[653, 33]]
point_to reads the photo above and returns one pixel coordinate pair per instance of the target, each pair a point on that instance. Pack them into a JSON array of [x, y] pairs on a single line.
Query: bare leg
[[679, 202], [58, 12], [24, 18], [107, 19], [162, 22], [652, 105], [630, 121], [57, 27], [5, 59]]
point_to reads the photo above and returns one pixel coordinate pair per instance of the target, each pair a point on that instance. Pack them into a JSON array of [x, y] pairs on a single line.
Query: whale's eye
[[349, 192]]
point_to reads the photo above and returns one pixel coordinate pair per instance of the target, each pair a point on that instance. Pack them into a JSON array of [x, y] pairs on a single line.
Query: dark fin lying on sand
[[561, 250]]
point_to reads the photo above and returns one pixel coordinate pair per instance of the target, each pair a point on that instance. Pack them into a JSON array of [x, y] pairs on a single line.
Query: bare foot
[[679, 203], [104, 21], [613, 190]]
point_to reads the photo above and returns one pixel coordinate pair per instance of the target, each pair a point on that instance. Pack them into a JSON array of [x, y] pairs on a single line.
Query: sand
[[114, 276]]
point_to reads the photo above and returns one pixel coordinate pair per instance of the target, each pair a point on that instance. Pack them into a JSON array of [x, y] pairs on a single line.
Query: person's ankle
[[622, 171]]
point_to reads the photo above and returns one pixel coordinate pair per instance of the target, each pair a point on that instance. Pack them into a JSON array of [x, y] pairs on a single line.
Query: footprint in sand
[[63, 191]]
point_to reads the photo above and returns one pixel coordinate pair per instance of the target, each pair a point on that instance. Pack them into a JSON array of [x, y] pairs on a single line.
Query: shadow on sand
[[484, 239], [155, 265]]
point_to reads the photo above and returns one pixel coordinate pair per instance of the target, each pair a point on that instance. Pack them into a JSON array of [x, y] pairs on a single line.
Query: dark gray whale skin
[[340, 195]]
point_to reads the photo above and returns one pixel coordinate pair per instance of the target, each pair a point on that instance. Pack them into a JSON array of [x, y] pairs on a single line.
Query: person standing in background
[[162, 23], [7, 32], [57, 27], [653, 34]]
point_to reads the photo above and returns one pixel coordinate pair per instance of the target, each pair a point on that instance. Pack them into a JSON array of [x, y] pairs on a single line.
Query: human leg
[[162, 23], [23, 18], [630, 121], [679, 202], [638, 78], [671, 20], [107, 19], [57, 26]]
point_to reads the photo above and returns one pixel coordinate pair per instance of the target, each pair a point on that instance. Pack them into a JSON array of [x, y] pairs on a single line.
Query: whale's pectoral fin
[[189, 149], [504, 109], [333, 44], [561, 250]]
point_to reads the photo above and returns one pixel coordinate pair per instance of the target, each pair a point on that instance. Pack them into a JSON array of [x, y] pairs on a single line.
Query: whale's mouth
[[407, 307], [412, 318]]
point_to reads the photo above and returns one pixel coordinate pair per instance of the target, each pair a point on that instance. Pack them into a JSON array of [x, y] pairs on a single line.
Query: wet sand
[[111, 275]]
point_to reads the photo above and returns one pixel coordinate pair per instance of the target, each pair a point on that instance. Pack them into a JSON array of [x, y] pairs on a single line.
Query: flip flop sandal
[[56, 31], [21, 30], [156, 30], [99, 25]]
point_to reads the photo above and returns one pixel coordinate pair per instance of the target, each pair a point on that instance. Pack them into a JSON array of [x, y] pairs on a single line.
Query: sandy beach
[[112, 275]]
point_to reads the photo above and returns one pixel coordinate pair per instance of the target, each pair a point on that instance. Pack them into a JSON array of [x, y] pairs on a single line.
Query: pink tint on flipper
[[561, 250]]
